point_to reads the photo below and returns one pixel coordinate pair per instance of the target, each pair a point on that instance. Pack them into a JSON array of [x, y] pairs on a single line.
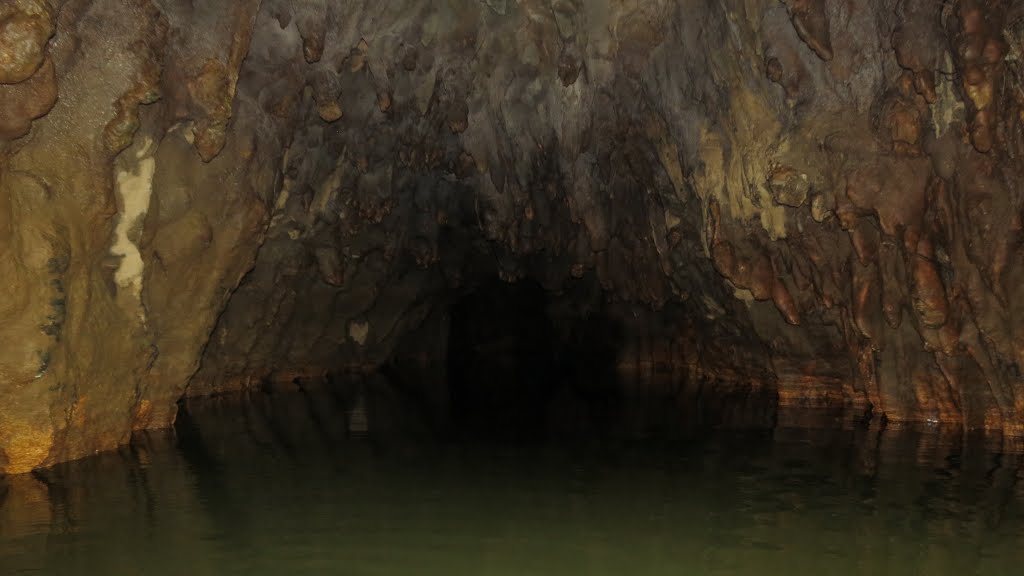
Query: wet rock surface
[[816, 197]]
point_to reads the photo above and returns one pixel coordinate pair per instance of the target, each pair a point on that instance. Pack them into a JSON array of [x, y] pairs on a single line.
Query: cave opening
[[519, 368], [502, 362]]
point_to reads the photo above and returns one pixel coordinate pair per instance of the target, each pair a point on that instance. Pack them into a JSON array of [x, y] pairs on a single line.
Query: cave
[[386, 252], [501, 364]]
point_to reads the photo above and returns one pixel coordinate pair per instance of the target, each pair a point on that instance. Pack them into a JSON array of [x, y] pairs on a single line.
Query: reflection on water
[[287, 485]]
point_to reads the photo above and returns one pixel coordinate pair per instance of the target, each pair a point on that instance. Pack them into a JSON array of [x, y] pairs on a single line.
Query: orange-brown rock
[[25, 28], [22, 103]]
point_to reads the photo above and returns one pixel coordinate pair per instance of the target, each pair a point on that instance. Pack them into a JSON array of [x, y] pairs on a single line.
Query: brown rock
[[25, 28], [811, 23], [929, 293], [22, 103], [633, 162], [789, 186]]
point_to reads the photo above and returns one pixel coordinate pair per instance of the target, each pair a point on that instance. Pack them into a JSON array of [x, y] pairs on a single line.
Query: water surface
[[268, 486]]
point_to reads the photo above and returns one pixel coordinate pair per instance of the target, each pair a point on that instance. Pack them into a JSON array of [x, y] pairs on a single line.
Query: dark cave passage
[[502, 364], [518, 368], [526, 364]]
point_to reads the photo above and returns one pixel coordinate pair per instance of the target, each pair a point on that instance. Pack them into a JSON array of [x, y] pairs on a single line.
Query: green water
[[277, 488]]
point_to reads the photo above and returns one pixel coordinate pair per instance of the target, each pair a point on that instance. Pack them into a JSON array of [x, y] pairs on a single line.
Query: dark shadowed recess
[[527, 364], [508, 363]]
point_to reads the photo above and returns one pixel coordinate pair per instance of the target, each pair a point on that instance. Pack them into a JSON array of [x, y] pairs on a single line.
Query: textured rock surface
[[814, 195]]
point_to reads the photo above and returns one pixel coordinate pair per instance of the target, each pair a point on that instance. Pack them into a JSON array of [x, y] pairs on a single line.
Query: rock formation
[[818, 196]]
